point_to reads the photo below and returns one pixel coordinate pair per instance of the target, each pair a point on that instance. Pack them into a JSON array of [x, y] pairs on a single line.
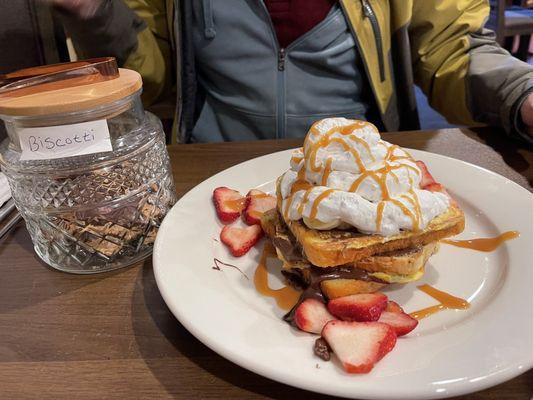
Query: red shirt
[[293, 18]]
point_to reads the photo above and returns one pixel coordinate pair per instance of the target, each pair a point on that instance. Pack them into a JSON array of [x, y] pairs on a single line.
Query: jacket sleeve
[[134, 32], [466, 75]]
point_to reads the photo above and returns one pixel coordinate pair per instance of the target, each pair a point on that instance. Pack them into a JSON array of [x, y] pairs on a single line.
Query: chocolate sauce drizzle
[[283, 239], [218, 263]]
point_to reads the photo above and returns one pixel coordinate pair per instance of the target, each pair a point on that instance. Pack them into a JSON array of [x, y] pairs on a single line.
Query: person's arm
[[135, 34], [466, 75]]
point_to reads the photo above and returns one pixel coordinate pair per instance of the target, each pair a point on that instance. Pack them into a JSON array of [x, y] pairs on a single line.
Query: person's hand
[[83, 9], [526, 112]]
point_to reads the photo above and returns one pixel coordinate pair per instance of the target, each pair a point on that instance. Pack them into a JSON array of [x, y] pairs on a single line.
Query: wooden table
[[111, 336]]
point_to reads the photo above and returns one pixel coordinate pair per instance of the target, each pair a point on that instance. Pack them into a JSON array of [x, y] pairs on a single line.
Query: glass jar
[[99, 211]]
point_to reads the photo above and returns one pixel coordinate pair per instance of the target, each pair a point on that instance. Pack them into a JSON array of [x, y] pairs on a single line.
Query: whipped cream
[[346, 175]]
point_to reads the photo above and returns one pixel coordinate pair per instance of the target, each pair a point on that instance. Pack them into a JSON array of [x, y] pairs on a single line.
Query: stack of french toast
[[355, 213]]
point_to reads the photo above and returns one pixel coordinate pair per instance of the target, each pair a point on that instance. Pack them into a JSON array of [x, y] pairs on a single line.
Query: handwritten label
[[62, 141]]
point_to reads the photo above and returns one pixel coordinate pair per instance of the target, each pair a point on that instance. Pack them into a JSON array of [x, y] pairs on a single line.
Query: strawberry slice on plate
[[393, 307], [437, 187], [228, 204], [426, 178], [401, 322], [427, 182], [311, 316], [358, 307], [359, 345], [257, 202], [240, 240]]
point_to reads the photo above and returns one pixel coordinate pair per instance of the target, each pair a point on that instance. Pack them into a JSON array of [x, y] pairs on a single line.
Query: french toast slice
[[337, 247], [395, 266], [399, 262], [401, 266]]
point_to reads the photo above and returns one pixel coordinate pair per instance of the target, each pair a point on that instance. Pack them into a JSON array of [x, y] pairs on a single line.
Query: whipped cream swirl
[[346, 176]]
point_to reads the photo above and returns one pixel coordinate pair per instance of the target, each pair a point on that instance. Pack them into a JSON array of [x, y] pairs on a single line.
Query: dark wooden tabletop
[[111, 336]]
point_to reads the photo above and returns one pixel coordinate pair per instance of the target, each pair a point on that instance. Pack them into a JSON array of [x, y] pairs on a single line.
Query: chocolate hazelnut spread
[[321, 349], [309, 277]]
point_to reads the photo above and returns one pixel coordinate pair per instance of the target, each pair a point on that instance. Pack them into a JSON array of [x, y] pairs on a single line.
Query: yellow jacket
[[441, 45]]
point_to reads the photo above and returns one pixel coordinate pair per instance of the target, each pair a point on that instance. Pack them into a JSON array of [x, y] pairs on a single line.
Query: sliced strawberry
[[257, 202], [393, 307], [402, 323], [311, 316], [228, 204], [437, 187], [358, 307], [359, 345], [426, 178], [240, 240]]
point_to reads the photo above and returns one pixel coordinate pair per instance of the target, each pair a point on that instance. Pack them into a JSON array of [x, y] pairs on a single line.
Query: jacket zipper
[[280, 131], [368, 12], [282, 55]]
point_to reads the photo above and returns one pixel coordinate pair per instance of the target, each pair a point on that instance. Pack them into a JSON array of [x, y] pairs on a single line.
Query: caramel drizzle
[[412, 216], [365, 145], [357, 182], [380, 177], [393, 174], [296, 159], [238, 204], [446, 302], [484, 244], [299, 184], [288, 204], [285, 297], [260, 195], [390, 151], [324, 142], [381, 206], [326, 139], [320, 197], [327, 171], [416, 205], [235, 205], [304, 201]]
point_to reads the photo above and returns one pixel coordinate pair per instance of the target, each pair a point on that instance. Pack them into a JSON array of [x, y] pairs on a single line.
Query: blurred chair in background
[[509, 19]]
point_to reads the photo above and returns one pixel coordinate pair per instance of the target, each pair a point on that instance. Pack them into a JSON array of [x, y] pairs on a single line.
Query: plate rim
[[494, 379]]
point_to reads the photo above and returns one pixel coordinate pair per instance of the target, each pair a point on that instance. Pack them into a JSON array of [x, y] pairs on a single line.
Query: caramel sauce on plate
[[484, 244], [446, 302], [285, 297]]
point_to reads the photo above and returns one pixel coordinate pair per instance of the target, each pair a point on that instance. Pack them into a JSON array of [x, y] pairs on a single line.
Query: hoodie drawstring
[[209, 22]]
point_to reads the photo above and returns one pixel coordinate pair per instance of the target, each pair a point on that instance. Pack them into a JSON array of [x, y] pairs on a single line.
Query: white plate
[[449, 353]]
